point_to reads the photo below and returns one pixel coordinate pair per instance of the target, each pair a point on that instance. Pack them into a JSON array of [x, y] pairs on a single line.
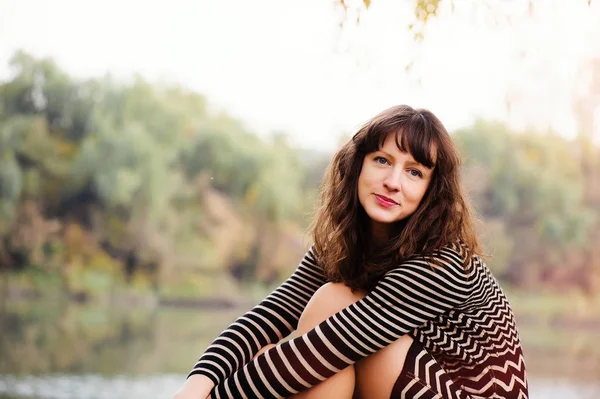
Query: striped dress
[[459, 316]]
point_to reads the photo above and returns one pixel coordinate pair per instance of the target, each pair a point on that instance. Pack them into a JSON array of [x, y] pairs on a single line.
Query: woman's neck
[[380, 233]]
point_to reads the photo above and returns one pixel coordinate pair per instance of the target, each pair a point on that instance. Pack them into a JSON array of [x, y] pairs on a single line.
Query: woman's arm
[[405, 298], [268, 322], [195, 387]]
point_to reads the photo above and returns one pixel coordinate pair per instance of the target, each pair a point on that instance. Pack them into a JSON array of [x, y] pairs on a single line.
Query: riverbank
[[571, 310]]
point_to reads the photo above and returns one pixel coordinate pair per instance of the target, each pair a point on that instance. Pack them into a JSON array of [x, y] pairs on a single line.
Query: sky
[[281, 65]]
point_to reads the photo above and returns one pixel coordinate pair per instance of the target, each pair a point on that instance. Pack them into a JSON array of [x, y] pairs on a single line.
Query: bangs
[[413, 135]]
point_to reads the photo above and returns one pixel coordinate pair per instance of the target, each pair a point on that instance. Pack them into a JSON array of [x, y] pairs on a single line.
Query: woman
[[391, 301]]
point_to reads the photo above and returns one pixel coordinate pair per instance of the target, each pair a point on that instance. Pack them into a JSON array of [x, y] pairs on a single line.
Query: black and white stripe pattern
[[461, 318], [423, 378], [268, 322]]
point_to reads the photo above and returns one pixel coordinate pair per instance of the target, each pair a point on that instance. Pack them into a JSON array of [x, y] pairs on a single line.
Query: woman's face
[[391, 186]]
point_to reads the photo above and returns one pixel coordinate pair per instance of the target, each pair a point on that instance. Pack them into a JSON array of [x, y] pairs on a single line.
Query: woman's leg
[[404, 370], [327, 301], [371, 378], [393, 372], [376, 375]]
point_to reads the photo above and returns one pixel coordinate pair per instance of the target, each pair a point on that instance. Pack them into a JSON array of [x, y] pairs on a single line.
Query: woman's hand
[[195, 387]]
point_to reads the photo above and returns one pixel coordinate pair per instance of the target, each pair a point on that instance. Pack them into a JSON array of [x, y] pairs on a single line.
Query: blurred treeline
[[112, 186]]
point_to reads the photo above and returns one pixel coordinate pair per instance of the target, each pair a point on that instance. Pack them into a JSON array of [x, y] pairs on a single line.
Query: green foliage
[[533, 180], [276, 193], [229, 154], [140, 175], [126, 168], [127, 160], [41, 88], [10, 178], [244, 167]]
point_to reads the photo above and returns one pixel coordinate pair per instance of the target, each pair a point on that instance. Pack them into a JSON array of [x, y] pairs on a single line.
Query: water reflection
[[55, 349], [57, 337], [162, 387]]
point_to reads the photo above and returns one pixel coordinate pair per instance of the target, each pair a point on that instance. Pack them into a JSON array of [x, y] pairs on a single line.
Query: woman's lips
[[385, 201]]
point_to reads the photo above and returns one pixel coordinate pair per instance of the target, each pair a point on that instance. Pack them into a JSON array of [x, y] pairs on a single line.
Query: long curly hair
[[341, 228]]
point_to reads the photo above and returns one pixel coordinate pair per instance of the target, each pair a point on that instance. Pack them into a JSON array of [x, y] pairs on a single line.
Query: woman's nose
[[393, 181]]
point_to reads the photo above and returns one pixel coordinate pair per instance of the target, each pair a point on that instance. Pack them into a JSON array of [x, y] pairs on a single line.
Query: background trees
[[139, 179]]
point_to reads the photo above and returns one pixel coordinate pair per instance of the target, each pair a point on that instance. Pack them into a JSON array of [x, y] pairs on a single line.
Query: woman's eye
[[381, 160], [415, 173]]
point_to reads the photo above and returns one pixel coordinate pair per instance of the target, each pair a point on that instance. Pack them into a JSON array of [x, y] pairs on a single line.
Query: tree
[[530, 187], [426, 10]]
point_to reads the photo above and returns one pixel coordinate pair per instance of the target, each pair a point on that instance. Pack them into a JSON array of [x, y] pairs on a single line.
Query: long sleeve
[[405, 298], [268, 322]]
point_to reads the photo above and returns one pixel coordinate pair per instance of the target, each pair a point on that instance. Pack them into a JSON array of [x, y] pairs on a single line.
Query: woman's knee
[[264, 349], [325, 302]]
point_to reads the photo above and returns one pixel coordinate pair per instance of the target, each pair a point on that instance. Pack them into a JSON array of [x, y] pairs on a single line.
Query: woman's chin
[[382, 217]]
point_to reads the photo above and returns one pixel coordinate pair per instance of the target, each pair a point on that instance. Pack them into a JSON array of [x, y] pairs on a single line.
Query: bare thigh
[[327, 301], [377, 374]]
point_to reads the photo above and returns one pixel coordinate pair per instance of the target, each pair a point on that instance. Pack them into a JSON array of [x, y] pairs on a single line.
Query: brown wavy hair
[[341, 228]]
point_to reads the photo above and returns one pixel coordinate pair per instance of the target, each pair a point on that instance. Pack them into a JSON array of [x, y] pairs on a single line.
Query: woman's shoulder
[[310, 256], [452, 259], [453, 254], [458, 250]]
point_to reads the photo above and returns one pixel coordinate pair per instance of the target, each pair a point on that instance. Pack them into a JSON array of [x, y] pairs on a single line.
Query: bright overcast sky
[[287, 65]]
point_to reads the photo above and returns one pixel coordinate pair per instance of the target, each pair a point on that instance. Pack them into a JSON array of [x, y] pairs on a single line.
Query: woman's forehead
[[421, 150]]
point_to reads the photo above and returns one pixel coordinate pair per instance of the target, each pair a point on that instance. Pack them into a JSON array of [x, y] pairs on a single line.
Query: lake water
[[53, 349]]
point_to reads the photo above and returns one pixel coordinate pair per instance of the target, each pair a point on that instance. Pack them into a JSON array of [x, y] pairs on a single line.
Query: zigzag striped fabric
[[422, 377], [460, 316]]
